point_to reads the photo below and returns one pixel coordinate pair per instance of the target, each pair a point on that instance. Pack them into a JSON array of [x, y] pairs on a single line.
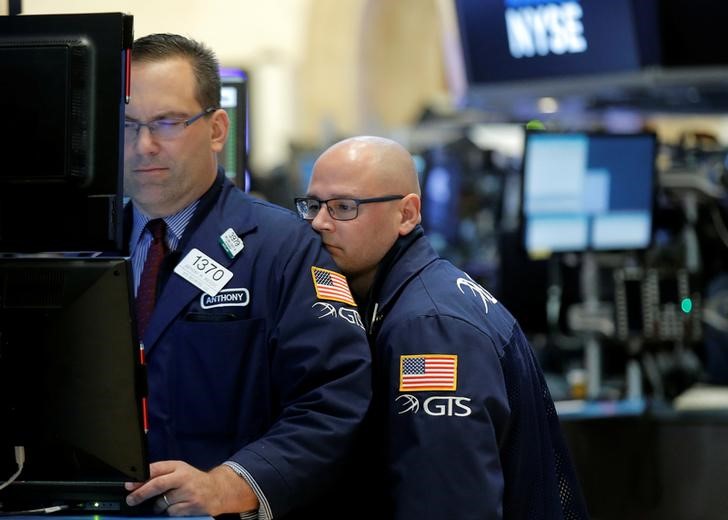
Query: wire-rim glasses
[[163, 129], [339, 208]]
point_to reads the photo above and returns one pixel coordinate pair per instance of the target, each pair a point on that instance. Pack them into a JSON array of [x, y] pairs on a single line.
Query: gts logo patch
[[345, 313]]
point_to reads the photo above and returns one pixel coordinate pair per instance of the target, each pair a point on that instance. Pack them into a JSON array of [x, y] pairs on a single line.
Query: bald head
[[380, 174], [378, 163]]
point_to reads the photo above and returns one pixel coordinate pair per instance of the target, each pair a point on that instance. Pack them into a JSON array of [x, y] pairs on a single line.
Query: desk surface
[[702, 404], [580, 409], [660, 464]]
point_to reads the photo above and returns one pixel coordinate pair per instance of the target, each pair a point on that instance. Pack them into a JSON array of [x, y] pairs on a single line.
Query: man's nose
[[145, 142], [322, 220]]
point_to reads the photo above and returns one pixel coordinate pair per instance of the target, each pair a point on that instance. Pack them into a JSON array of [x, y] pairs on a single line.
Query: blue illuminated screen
[[587, 192]]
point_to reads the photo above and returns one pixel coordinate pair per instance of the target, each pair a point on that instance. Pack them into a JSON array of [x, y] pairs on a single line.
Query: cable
[[20, 461], [48, 510]]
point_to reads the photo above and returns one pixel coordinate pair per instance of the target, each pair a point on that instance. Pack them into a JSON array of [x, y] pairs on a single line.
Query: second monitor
[[587, 192]]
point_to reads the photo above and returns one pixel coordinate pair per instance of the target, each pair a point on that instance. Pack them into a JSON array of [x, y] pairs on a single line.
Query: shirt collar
[[176, 225]]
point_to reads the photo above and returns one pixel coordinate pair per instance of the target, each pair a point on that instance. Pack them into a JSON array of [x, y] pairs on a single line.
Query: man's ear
[[220, 126], [410, 212]]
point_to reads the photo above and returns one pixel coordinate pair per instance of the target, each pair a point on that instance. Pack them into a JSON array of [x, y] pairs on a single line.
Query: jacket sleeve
[[320, 374], [444, 451]]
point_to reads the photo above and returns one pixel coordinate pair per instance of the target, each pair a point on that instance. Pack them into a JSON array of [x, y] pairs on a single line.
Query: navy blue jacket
[[267, 375], [462, 420]]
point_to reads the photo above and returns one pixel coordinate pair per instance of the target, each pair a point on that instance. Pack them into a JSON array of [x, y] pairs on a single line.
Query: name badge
[[231, 243], [203, 272]]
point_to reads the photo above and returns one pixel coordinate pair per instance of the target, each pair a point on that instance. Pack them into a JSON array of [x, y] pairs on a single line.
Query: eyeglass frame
[[154, 125], [357, 203]]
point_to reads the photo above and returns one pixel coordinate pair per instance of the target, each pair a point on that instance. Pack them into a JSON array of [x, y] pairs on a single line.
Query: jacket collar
[[409, 255]]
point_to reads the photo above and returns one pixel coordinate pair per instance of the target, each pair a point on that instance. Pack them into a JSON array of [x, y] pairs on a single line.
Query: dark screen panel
[[37, 99], [70, 383], [62, 98]]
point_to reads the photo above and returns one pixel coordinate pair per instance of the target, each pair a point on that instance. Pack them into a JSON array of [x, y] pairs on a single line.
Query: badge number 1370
[[203, 272]]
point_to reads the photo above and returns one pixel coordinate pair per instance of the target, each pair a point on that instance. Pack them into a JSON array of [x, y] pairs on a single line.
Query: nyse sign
[[553, 28]]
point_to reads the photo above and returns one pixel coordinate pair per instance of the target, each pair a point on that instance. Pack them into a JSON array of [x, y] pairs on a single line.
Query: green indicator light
[[686, 305]]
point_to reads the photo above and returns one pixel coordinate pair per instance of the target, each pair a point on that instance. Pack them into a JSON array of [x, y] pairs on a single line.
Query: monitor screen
[[234, 99], [510, 40], [441, 194], [71, 379], [587, 192], [62, 100]]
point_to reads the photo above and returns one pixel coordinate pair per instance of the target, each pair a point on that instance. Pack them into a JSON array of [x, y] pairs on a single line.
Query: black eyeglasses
[[339, 209], [163, 129]]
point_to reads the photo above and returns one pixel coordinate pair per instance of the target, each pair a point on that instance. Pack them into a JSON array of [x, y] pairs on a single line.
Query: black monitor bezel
[[96, 294], [79, 210]]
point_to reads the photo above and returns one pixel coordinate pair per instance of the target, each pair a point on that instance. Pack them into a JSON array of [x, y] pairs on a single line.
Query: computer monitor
[[234, 99], [62, 95], [441, 196], [71, 380], [587, 192], [526, 40]]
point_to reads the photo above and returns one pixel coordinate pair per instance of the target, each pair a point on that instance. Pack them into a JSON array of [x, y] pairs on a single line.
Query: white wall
[[240, 31], [263, 36]]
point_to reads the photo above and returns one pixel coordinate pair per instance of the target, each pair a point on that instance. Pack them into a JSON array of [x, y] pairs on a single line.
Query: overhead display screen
[[506, 40]]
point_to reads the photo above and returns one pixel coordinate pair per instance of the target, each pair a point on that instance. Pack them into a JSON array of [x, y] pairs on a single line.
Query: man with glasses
[[462, 424], [254, 393]]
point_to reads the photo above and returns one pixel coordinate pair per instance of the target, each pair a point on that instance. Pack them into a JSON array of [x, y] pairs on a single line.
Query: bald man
[[462, 424]]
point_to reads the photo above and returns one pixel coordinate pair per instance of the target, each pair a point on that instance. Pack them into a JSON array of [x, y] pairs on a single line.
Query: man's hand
[[182, 490]]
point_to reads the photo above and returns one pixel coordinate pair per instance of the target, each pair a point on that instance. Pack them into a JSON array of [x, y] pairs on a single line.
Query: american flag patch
[[428, 372], [331, 285]]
